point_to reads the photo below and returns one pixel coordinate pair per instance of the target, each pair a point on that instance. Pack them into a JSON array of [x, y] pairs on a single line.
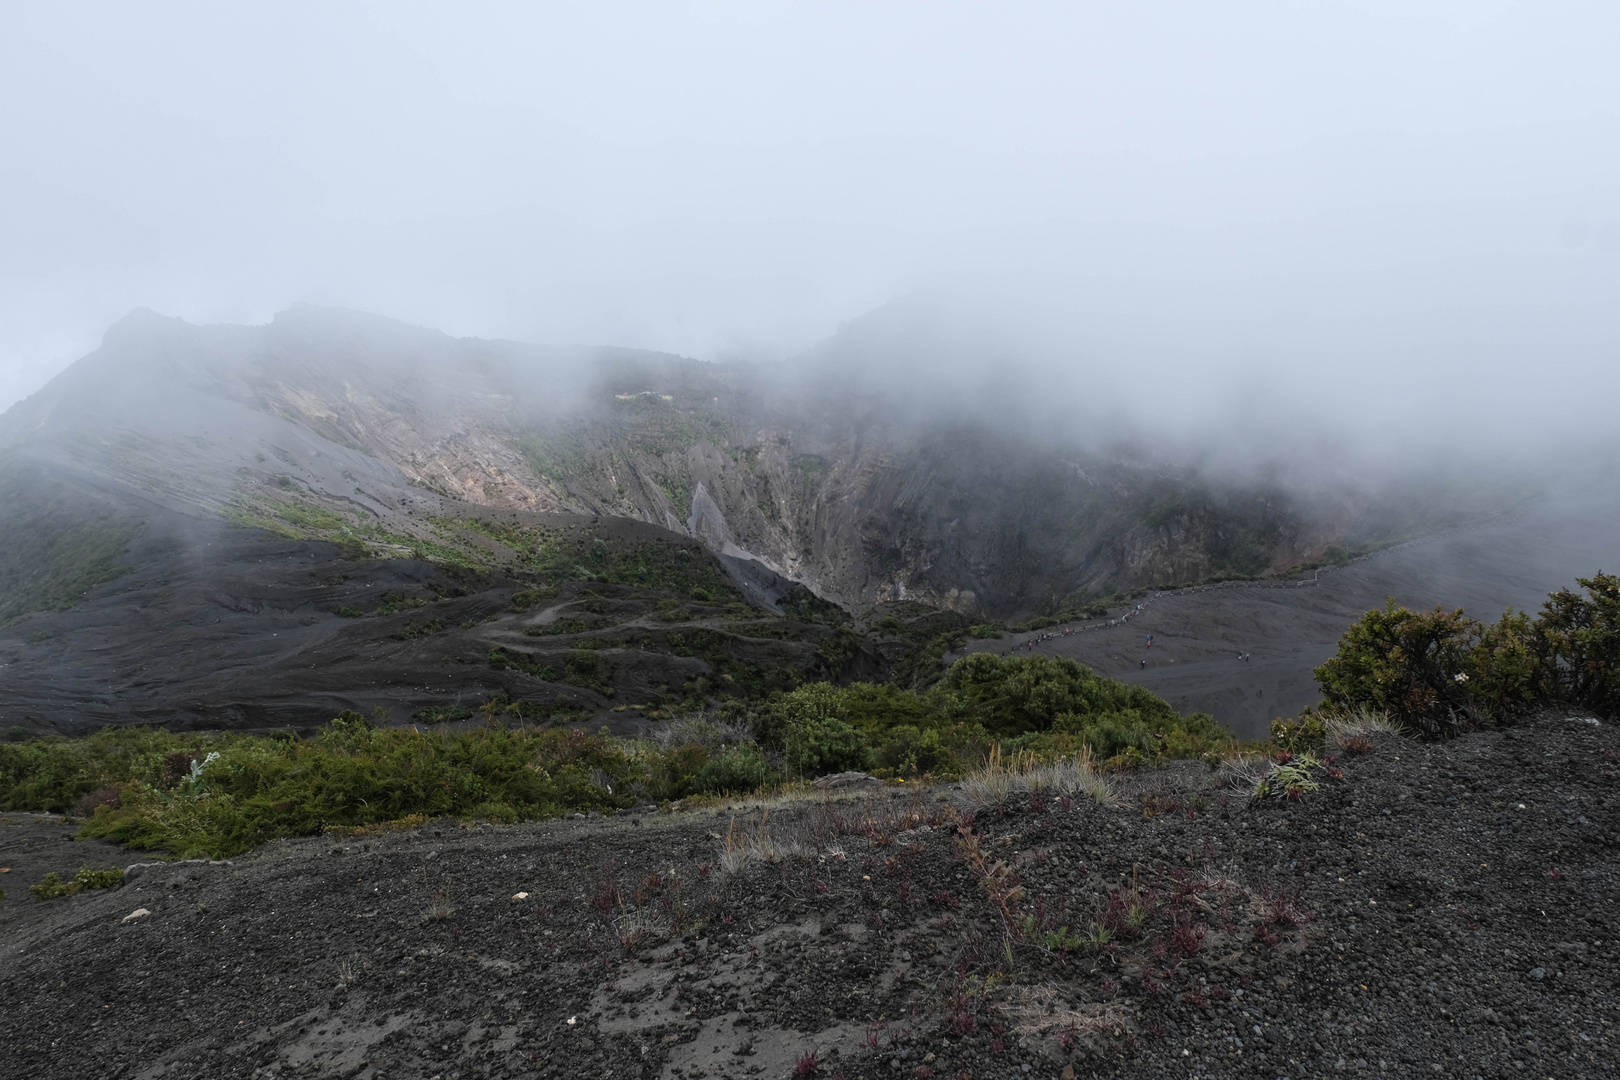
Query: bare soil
[[1440, 910]]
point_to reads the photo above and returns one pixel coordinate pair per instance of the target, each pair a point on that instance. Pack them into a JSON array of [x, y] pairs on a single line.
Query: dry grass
[[1241, 773], [1040, 1009], [756, 843], [999, 779], [1361, 722]]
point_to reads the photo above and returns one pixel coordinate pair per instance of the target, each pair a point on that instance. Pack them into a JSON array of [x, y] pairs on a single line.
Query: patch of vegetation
[[395, 602], [1095, 610], [1039, 706], [260, 787], [51, 551], [1299, 736], [252, 519], [923, 636], [419, 630], [307, 516], [504, 660], [50, 887], [218, 795], [585, 553], [568, 625], [524, 599], [805, 606], [443, 714], [1440, 672], [422, 549], [587, 669], [771, 629]]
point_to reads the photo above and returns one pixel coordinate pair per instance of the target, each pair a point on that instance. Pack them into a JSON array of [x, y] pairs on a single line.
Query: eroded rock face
[[325, 418]]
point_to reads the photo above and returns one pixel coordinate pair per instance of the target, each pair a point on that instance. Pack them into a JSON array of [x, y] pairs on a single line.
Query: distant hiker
[[1144, 663]]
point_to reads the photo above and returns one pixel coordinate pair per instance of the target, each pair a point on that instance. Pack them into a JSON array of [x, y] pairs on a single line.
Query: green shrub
[[1010, 695], [1505, 666], [908, 750], [1407, 664], [738, 769], [1300, 736], [1439, 671], [821, 745], [585, 668], [1579, 640], [50, 887], [1110, 734], [672, 774]]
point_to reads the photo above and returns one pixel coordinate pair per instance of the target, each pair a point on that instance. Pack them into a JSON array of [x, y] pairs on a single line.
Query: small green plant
[[1290, 780], [1097, 937], [440, 909], [51, 887], [1060, 940], [1298, 736]]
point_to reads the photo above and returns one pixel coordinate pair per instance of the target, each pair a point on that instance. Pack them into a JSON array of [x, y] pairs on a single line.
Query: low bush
[[50, 887], [817, 746], [1309, 733], [1439, 672], [737, 770], [1036, 705]]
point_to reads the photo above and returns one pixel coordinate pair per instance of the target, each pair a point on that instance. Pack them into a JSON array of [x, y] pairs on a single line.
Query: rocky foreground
[[1435, 910]]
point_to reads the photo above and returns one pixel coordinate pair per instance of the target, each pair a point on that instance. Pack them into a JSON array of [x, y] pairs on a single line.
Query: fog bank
[[1354, 233]]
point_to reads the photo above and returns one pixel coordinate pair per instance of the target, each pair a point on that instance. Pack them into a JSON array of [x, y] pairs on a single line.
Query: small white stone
[[138, 913], [519, 897], [571, 1020]]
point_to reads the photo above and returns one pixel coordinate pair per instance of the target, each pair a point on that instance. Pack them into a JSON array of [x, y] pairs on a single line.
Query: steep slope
[[197, 476]]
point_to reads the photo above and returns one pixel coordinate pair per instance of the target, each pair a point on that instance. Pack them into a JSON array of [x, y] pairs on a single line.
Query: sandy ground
[[1291, 627]]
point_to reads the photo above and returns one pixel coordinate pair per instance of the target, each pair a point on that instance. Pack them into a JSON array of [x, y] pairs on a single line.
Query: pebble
[[138, 913]]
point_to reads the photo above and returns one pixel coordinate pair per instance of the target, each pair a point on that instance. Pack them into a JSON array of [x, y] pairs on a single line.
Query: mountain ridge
[[206, 457]]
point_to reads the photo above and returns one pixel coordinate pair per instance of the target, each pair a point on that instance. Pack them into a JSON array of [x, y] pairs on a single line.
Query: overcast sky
[[1276, 196]]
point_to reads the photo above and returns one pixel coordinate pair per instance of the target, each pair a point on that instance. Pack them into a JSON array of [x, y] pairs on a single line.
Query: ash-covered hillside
[[188, 514]]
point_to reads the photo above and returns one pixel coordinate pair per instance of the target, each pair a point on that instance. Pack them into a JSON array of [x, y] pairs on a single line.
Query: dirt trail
[[1288, 628], [1436, 910]]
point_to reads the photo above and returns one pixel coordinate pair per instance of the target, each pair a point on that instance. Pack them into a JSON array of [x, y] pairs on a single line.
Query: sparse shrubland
[[216, 795]]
